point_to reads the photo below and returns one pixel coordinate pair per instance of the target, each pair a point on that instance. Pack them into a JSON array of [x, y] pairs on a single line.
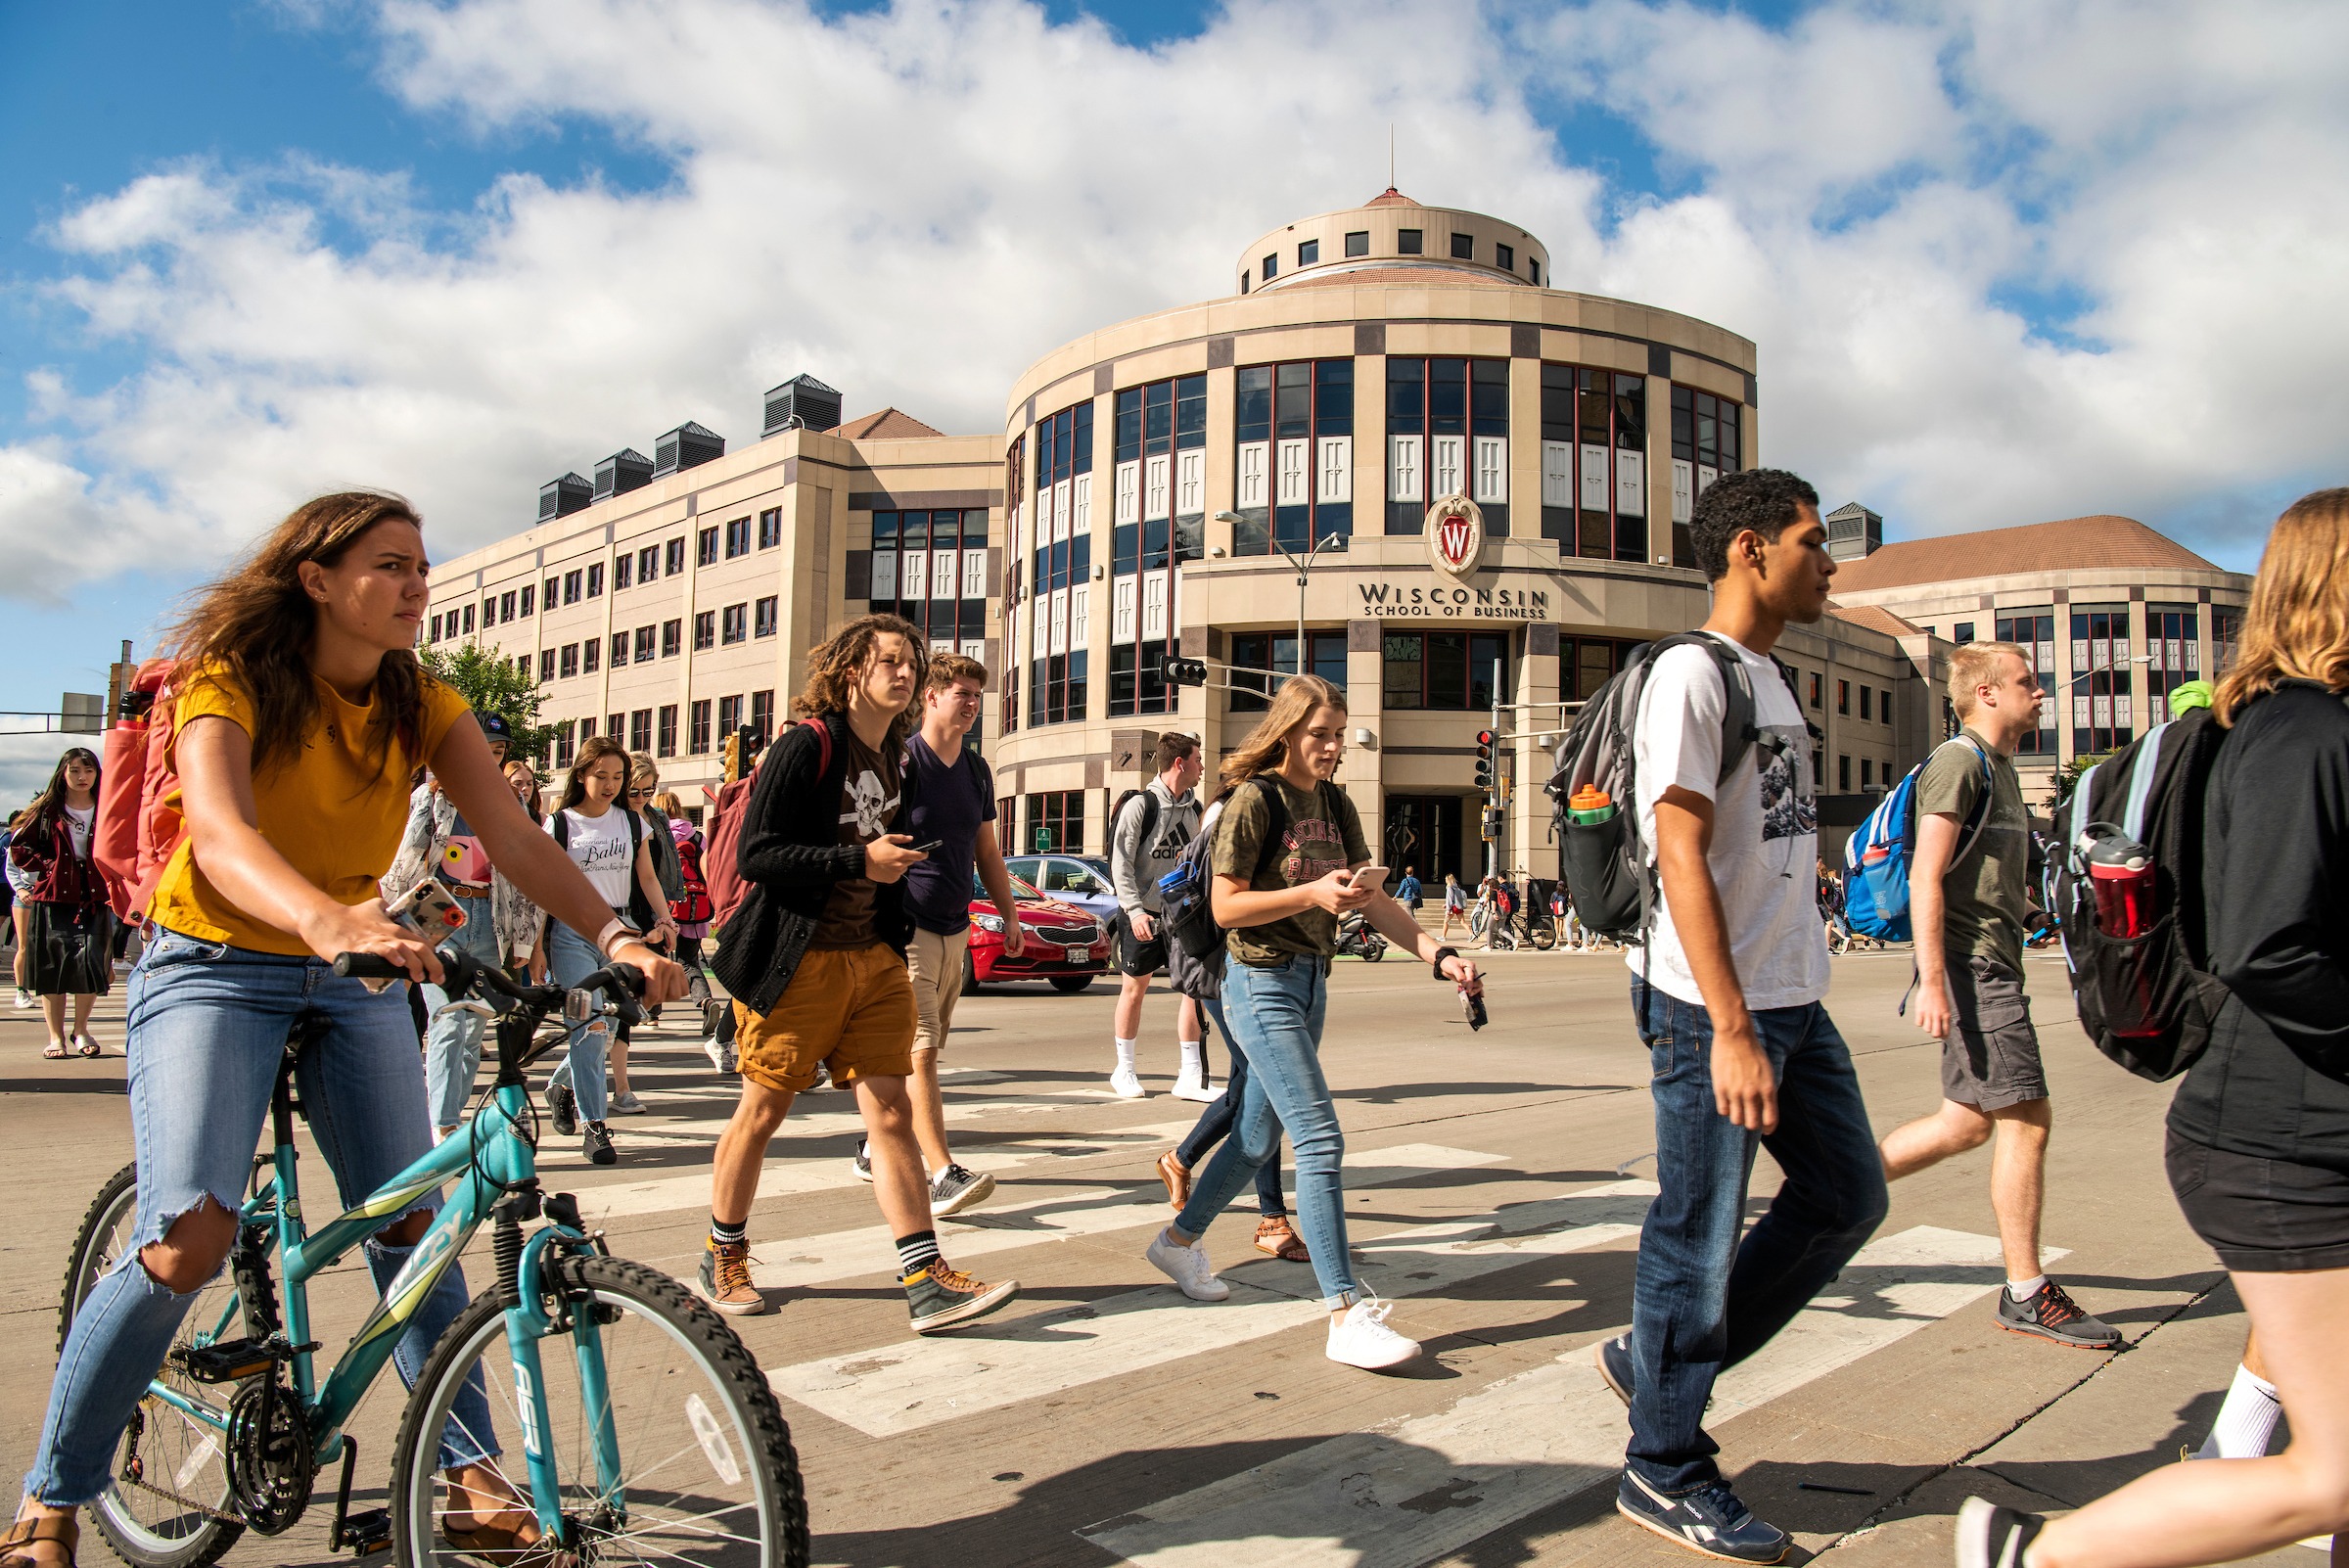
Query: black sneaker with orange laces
[[2052, 1315]]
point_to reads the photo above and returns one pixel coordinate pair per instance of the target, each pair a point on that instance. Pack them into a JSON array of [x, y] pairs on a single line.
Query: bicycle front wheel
[[168, 1506], [706, 1473]]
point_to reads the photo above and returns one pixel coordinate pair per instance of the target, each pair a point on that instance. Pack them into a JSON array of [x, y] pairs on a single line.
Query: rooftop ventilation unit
[[803, 399], [623, 471], [689, 445], [564, 497], [1854, 533]]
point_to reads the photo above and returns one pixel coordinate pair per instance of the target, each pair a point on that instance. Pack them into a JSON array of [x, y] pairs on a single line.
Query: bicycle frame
[[485, 1160]]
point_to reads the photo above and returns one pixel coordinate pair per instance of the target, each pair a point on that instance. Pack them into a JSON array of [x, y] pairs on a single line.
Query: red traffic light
[[1483, 737]]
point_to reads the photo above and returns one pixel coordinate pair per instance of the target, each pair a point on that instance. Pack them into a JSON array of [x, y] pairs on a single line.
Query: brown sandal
[[1276, 1236], [1177, 1178], [495, 1541], [56, 1528]]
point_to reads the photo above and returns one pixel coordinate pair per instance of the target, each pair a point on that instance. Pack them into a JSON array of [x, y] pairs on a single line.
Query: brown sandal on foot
[[50, 1529], [1177, 1178], [1276, 1236], [497, 1538]]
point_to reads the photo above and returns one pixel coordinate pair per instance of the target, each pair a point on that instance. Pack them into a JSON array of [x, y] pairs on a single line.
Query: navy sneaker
[[1614, 1358], [1709, 1520], [1992, 1537]]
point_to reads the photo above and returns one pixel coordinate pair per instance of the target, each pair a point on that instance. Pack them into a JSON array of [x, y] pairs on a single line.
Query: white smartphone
[[1370, 876]]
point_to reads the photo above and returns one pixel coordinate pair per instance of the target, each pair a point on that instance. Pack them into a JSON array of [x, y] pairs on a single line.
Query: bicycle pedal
[[231, 1360], [366, 1533]]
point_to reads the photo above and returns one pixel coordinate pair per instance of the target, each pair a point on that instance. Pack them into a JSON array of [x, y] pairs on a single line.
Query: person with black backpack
[[2258, 1145], [1728, 981], [1148, 828], [1969, 891]]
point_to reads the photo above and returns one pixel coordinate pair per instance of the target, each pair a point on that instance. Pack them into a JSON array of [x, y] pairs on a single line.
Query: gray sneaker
[[956, 1189], [626, 1104], [2049, 1313]]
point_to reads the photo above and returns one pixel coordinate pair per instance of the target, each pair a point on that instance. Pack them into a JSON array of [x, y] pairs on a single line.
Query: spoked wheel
[[169, 1504], [1545, 937], [704, 1470]]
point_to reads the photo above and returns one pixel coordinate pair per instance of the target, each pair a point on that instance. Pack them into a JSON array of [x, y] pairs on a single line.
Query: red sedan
[[1066, 946]]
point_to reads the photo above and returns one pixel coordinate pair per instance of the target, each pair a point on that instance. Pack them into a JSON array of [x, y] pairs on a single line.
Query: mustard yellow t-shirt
[[335, 812]]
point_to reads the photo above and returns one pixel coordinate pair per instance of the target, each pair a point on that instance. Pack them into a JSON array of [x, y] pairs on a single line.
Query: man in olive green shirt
[[1968, 887]]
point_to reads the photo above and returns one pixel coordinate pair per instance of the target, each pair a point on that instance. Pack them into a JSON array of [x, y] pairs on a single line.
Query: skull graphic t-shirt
[[868, 801]]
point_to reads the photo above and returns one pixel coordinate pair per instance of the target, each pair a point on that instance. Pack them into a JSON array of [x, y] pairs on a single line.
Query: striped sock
[[725, 1234], [916, 1253]]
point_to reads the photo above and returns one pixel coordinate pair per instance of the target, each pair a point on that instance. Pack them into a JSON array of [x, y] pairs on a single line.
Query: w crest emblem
[[1455, 535]]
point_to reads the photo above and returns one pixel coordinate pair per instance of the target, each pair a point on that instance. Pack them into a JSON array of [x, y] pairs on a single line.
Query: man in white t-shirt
[[1727, 994]]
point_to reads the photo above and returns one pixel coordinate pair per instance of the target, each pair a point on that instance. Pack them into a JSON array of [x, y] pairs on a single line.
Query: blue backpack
[[1876, 860]]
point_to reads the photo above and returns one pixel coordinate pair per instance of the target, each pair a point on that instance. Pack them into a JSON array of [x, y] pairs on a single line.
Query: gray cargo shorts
[[1989, 1057]]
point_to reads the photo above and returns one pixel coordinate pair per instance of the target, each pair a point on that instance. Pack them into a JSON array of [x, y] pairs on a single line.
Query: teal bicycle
[[648, 1432]]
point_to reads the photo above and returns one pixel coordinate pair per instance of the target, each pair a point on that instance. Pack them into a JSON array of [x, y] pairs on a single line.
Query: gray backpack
[[1608, 877]]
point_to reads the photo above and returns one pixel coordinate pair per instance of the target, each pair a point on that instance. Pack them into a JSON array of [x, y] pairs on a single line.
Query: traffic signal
[[733, 764], [1491, 824], [1185, 671], [1484, 759]]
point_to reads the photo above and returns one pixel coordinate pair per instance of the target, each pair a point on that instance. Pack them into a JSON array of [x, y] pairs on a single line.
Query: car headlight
[[987, 922]]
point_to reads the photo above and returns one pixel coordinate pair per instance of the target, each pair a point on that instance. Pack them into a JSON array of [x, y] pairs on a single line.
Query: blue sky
[[1999, 269]]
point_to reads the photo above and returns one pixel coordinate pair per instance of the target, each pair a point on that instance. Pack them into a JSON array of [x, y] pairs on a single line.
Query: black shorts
[[1139, 958], [2261, 1215]]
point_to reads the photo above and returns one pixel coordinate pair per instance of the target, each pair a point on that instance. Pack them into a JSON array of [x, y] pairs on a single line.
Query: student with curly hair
[[65, 929]]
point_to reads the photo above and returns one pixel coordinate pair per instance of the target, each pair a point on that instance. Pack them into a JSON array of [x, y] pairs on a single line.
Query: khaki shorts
[[849, 1008], [1990, 1058], [934, 963]]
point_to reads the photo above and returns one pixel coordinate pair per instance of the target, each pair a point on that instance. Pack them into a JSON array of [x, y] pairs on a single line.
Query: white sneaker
[[714, 1051], [26, 999], [1126, 1084], [1194, 1086], [1361, 1338], [1188, 1267]]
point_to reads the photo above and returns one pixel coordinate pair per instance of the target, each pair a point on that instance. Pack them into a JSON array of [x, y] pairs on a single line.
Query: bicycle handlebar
[[464, 973]]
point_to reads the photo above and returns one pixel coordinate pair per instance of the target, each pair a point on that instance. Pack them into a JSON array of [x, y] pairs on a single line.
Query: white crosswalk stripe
[[1437, 1483], [920, 1383], [1065, 1216]]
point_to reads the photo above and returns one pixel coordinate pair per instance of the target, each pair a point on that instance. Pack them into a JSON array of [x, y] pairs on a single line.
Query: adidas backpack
[[2147, 1001], [1877, 858], [1608, 875]]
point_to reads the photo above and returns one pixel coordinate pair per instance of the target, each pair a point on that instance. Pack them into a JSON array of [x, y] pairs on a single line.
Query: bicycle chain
[[135, 1474]]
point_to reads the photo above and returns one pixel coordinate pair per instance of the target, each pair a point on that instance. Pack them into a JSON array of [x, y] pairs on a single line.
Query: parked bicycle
[[648, 1431]]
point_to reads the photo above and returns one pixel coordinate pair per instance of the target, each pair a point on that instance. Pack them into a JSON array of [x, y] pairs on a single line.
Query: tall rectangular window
[[763, 617], [705, 630], [729, 715], [640, 730], [551, 591], [1295, 457], [571, 587], [2226, 631], [571, 660], [733, 624], [2102, 715], [591, 655], [433, 634], [1707, 442], [644, 645], [673, 639], [648, 563], [697, 734], [1594, 464], [529, 594], [738, 538], [665, 734], [505, 606], [469, 619], [931, 567], [620, 648], [615, 725], [563, 750], [770, 528], [763, 714], [705, 546], [2035, 629], [1059, 588], [1843, 698], [1448, 434], [2172, 653], [1157, 519], [595, 580], [672, 555], [623, 572], [547, 664]]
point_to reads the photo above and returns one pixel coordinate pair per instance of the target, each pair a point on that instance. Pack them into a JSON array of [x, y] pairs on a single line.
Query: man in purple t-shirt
[[953, 795]]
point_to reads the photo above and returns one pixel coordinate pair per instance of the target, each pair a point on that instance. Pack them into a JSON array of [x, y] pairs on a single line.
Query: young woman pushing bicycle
[[301, 716]]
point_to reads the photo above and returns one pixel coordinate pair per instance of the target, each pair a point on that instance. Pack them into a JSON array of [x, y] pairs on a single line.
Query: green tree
[[490, 684], [2067, 778]]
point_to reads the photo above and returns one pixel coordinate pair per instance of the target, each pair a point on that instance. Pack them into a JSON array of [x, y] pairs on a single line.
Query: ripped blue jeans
[[208, 1027]]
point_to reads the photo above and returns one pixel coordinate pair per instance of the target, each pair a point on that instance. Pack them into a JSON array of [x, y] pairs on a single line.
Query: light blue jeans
[[452, 1036], [569, 959], [208, 1027], [1273, 1015]]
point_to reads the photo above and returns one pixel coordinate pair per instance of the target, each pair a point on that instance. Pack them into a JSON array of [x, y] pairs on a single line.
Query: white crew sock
[[2246, 1421], [1194, 1059], [1126, 1050], [2025, 1289]]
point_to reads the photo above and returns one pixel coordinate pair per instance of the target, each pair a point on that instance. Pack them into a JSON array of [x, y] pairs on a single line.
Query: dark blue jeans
[[1704, 1299], [1216, 1121]]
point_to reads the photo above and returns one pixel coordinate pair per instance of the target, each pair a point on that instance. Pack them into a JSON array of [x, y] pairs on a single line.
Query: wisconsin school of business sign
[[1456, 543]]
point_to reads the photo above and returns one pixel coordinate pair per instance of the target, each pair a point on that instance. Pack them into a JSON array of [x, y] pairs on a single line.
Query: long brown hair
[[257, 626], [1267, 745], [2297, 627], [51, 802], [835, 667], [593, 750]]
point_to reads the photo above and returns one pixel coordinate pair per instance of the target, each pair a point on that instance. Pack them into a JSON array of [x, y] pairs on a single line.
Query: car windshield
[[1061, 874], [1018, 889]]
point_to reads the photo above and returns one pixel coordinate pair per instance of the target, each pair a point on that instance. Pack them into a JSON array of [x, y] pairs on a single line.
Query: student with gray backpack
[[1699, 748]]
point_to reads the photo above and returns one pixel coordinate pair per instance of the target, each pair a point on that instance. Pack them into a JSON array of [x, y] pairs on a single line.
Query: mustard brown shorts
[[849, 1008]]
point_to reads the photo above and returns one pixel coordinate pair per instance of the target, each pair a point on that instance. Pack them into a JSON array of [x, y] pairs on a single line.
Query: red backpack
[[695, 907], [719, 873], [136, 830]]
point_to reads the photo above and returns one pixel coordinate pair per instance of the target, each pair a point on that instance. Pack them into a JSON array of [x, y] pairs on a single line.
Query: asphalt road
[[1494, 1194]]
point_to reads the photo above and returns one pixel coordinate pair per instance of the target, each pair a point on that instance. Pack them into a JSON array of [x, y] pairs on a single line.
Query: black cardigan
[[790, 855], [2275, 1081]]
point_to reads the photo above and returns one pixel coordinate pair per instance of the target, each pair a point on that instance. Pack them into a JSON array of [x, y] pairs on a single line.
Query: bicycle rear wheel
[[170, 1481], [707, 1471]]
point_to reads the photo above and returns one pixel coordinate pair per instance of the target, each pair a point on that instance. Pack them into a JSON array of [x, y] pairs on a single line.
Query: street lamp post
[[1304, 575]]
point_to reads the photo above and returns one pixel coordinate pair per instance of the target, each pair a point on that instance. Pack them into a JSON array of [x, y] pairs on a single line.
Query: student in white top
[[612, 847], [1726, 995]]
